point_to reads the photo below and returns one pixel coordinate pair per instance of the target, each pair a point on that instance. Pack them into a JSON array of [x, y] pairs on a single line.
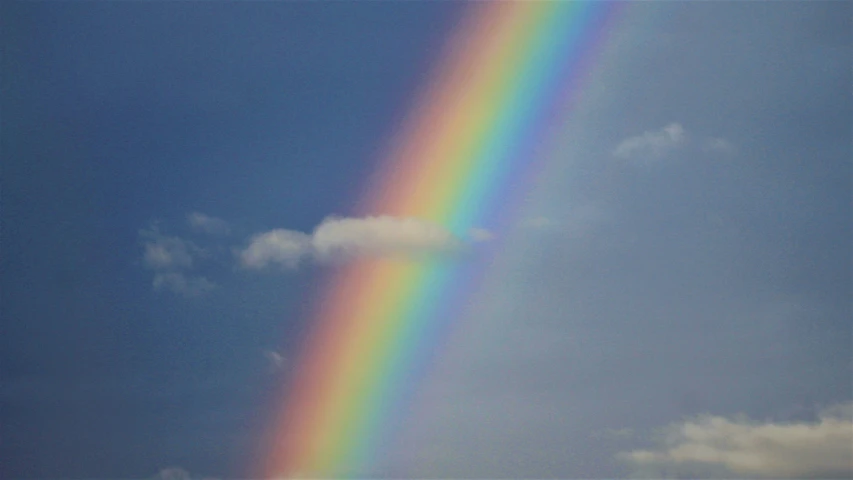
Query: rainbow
[[461, 159]]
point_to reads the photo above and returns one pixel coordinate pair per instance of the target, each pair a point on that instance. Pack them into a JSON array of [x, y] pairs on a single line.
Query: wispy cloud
[[163, 252], [820, 449], [337, 238], [652, 144], [170, 257], [658, 144], [276, 360], [207, 224]]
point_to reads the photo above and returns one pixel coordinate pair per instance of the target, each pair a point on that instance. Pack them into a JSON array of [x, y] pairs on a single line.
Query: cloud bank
[[337, 238], [821, 449]]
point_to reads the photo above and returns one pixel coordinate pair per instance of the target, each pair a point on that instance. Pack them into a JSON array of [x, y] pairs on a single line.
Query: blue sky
[[686, 254]]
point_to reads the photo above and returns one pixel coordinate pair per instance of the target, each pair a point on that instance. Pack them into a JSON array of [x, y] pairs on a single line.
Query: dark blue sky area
[[117, 114]]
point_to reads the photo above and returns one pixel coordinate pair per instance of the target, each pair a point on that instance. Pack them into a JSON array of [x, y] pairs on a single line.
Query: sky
[[674, 298]]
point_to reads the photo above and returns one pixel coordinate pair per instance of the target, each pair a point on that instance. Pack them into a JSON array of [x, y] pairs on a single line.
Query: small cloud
[[740, 447], [207, 224], [182, 285], [657, 144], [163, 253], [275, 359], [169, 257], [285, 247], [337, 238], [652, 144]]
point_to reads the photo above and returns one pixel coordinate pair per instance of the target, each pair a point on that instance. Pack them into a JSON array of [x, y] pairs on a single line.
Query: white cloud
[[338, 238], [379, 235], [285, 247], [164, 253], [657, 144], [207, 224], [652, 144], [743, 448], [179, 283]]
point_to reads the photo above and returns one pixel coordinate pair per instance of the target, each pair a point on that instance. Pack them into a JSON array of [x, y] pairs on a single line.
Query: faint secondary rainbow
[[487, 111]]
